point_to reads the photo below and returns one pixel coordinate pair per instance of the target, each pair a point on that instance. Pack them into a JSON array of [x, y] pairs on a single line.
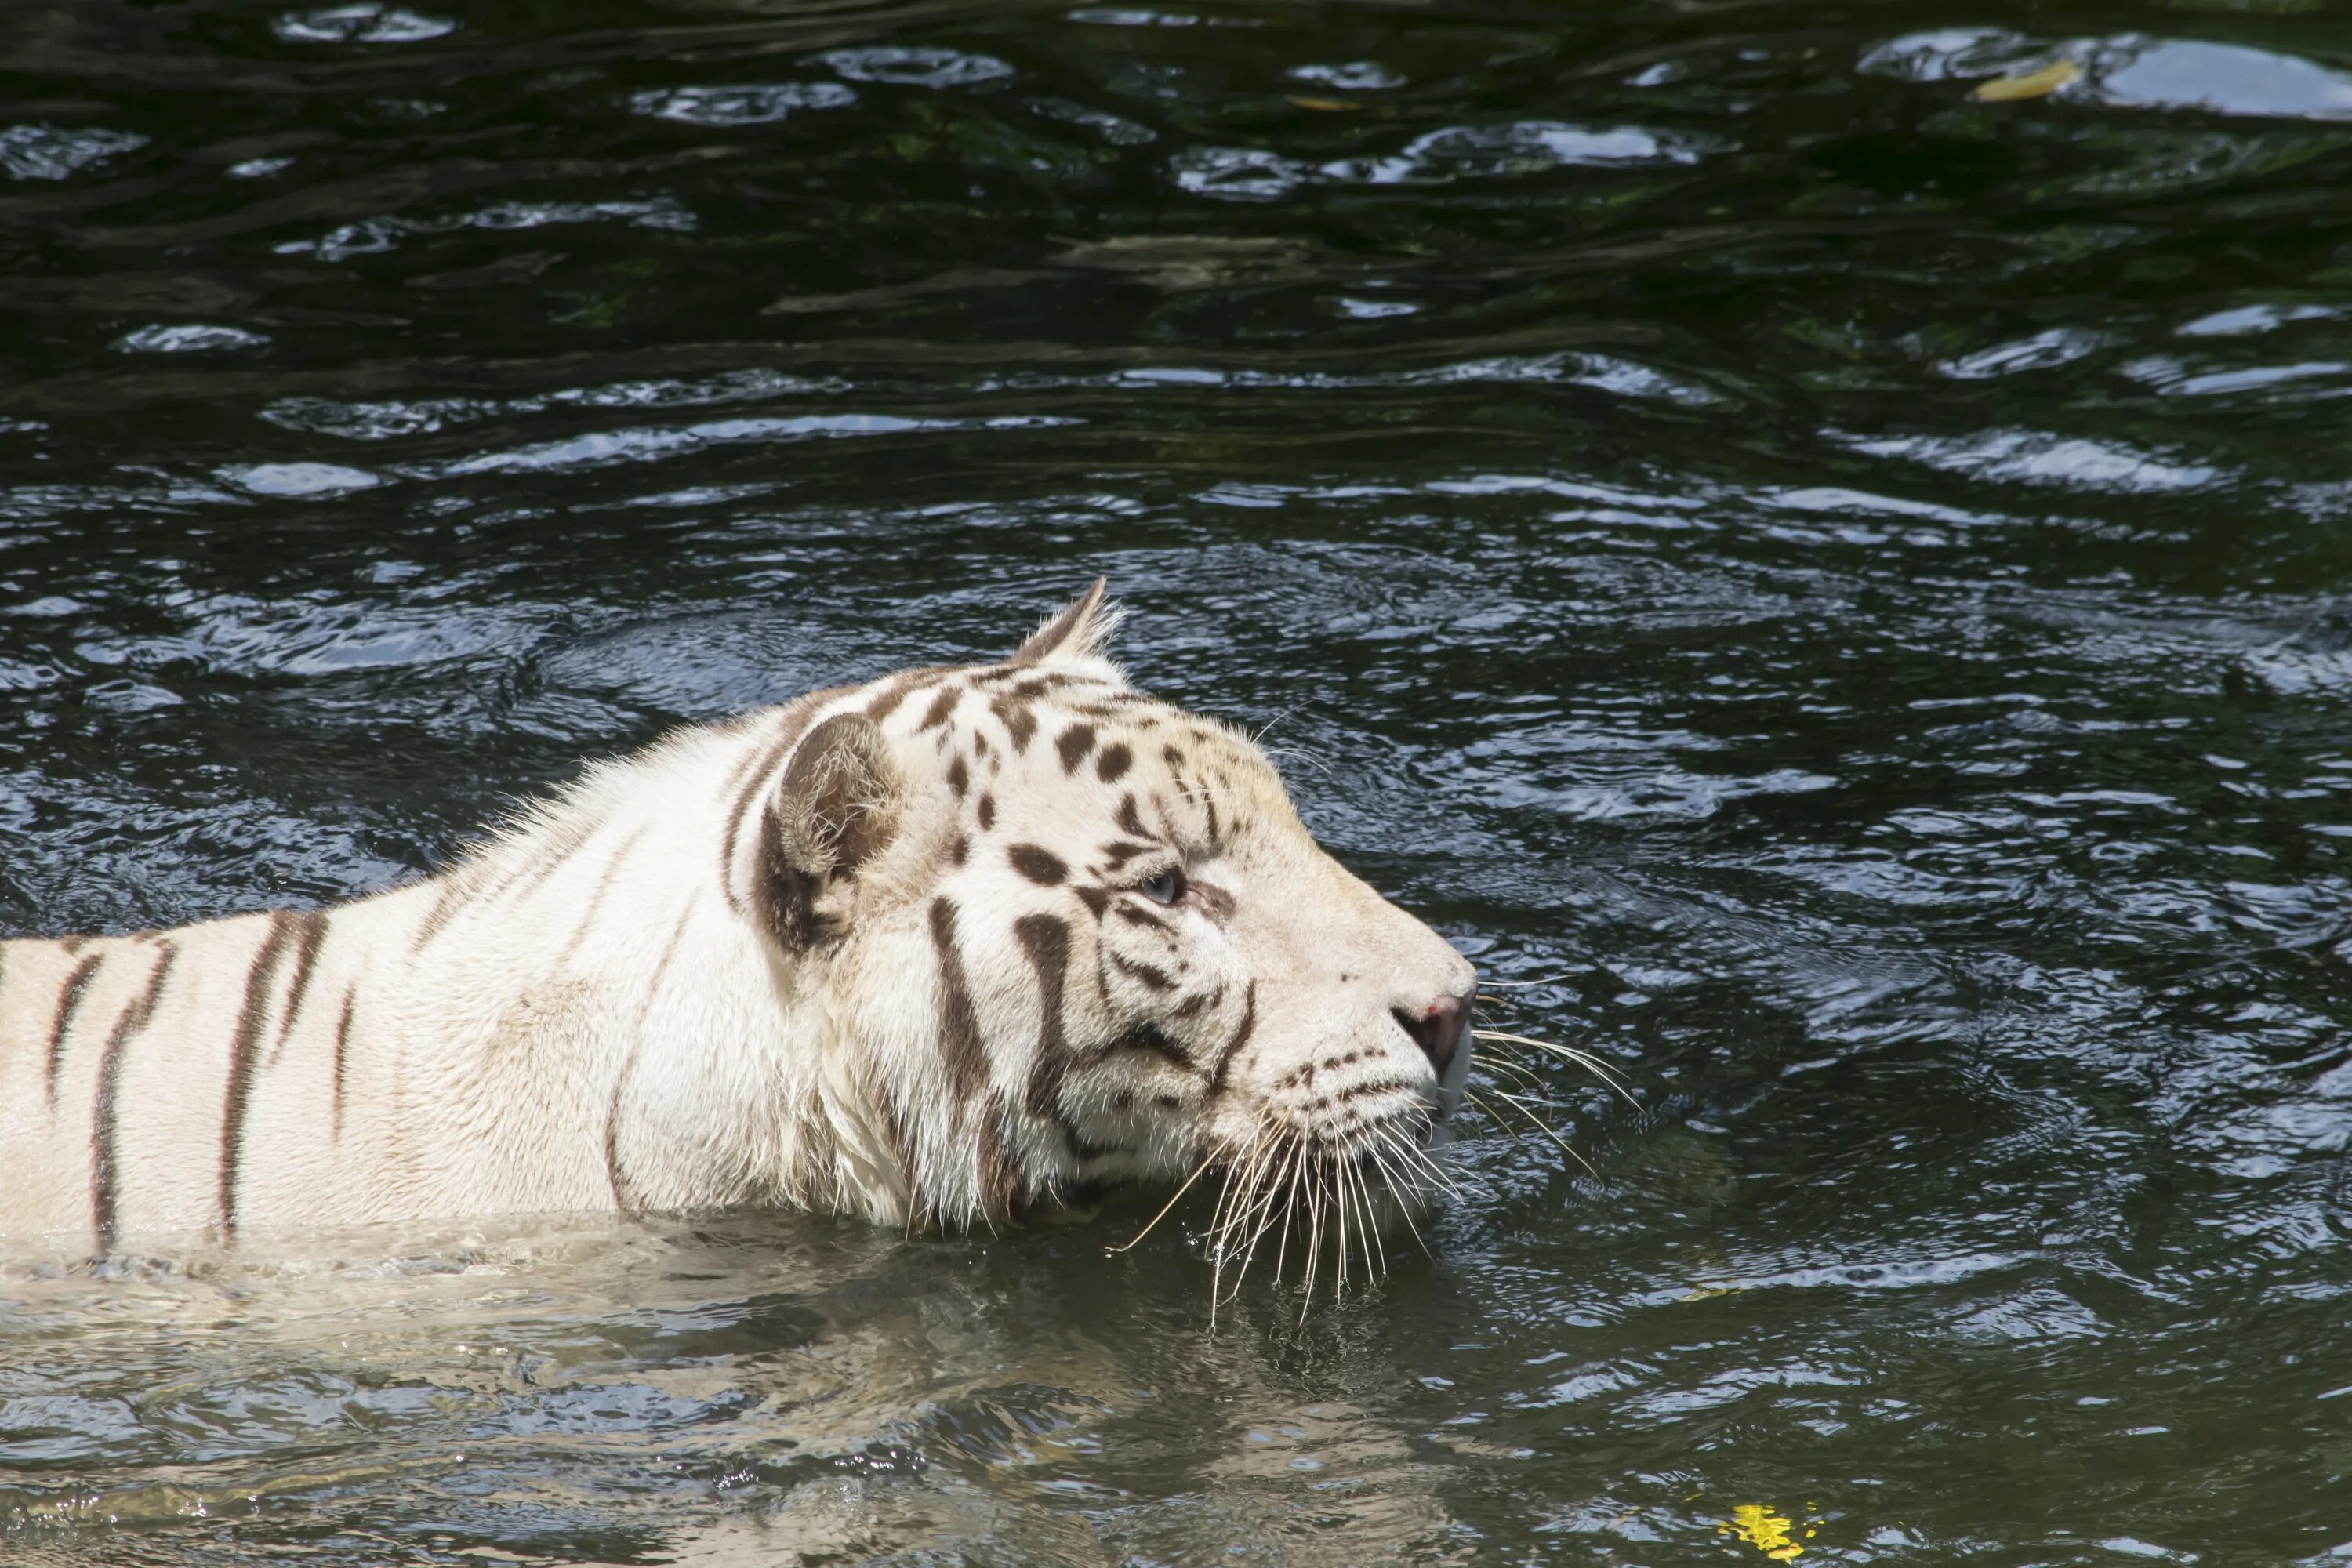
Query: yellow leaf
[[2036, 84], [1328, 105], [1764, 1529]]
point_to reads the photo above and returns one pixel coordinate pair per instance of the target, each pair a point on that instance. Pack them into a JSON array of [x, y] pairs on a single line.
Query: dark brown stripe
[[1019, 722], [1150, 1040], [1120, 852], [613, 1176], [1154, 978], [661, 966], [311, 934], [1135, 915], [886, 701], [1097, 900], [739, 728], [1218, 902], [1113, 764], [1130, 821], [1183, 792], [596, 899], [1233, 1047], [958, 1024], [342, 1055], [1042, 867], [242, 1058], [1046, 940], [105, 1168], [1073, 745], [959, 850], [959, 778], [987, 812], [941, 706], [1082, 1147], [454, 886], [557, 851], [1004, 1192], [69, 1001]]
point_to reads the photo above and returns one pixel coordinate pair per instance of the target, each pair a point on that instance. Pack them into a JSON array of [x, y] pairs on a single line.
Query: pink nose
[[1440, 1028]]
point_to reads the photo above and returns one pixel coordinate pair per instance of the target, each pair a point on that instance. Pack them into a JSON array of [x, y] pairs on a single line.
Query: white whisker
[[1334, 1181], [1585, 1060], [1370, 1232], [1170, 1204], [1309, 758], [1541, 1126], [1239, 1197], [1250, 1256], [1282, 1248], [1314, 1247], [1404, 1209], [1262, 1201]]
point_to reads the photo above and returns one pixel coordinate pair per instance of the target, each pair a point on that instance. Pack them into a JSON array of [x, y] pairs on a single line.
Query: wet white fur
[[588, 1013]]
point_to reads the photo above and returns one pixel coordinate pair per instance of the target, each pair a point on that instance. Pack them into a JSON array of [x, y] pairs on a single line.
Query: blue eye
[[1164, 887]]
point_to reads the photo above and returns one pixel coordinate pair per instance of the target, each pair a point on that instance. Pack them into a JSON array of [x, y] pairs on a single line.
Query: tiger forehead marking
[[944, 949]]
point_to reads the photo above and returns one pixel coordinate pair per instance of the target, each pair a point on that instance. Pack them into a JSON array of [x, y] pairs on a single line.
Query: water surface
[[1836, 587]]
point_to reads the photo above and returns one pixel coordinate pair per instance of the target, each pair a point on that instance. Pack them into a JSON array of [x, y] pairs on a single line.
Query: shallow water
[[1842, 583]]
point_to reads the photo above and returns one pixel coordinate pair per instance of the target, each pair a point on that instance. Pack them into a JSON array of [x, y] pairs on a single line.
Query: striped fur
[[942, 948]]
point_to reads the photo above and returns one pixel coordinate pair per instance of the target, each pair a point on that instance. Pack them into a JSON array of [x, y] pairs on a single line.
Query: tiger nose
[[1440, 1026]]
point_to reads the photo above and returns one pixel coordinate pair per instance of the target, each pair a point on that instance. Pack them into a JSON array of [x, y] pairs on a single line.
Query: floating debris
[[1765, 1529], [2034, 84]]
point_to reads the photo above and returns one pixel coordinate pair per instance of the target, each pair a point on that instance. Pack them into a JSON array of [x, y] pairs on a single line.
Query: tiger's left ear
[[1082, 631], [838, 807]]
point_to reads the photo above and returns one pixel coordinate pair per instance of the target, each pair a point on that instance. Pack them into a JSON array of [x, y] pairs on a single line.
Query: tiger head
[[1066, 935]]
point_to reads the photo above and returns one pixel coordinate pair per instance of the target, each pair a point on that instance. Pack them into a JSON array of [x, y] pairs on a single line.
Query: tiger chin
[[949, 948]]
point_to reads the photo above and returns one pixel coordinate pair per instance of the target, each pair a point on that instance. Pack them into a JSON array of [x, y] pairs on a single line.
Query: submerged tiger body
[[942, 948]]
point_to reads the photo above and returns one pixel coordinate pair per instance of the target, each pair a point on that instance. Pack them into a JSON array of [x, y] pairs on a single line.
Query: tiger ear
[[1082, 631], [838, 807]]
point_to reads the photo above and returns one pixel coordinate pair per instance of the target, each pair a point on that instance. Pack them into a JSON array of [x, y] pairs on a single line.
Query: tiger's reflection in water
[[750, 1388]]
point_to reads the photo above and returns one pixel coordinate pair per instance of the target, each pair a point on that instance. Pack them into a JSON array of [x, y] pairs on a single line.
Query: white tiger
[[945, 949]]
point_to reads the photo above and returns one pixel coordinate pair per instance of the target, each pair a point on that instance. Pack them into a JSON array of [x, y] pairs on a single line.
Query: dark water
[[1843, 583]]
